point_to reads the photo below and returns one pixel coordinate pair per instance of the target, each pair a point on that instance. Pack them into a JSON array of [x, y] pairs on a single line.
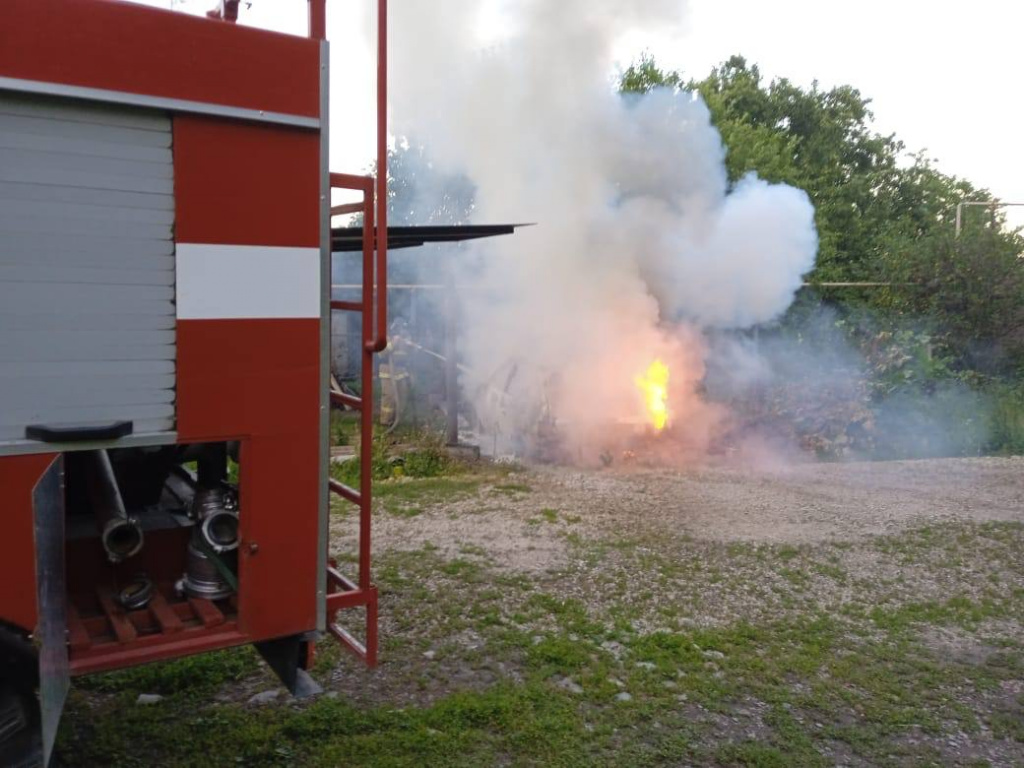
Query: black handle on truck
[[76, 433]]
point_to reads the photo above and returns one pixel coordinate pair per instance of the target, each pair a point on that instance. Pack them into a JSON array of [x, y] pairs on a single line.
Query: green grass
[[196, 675], [799, 686], [817, 681]]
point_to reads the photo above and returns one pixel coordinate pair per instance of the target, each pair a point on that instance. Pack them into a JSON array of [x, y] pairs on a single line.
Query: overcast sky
[[943, 76]]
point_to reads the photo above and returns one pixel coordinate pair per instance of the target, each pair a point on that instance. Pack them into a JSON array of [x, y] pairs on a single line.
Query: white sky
[[943, 76]]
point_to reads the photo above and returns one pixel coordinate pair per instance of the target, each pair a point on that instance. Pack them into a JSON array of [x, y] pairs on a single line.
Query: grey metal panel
[[87, 315], [32, 160], [127, 137], [50, 388], [106, 115], [95, 397], [73, 228], [12, 190], [67, 350], [80, 146], [60, 210], [46, 413], [56, 274], [86, 368], [85, 260], [89, 179], [86, 336], [82, 322], [110, 247], [31, 297], [51, 594]]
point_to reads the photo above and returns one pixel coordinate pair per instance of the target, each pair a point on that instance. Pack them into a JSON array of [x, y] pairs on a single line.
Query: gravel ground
[[801, 503], [798, 504]]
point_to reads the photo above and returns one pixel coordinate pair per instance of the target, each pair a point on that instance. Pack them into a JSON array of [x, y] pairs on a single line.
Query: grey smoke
[[805, 388], [640, 243]]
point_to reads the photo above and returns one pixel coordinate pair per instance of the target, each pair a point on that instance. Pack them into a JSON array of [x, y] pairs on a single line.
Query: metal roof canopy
[[347, 239]]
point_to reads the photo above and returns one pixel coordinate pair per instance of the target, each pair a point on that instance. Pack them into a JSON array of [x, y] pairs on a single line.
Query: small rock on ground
[[566, 684], [265, 697]]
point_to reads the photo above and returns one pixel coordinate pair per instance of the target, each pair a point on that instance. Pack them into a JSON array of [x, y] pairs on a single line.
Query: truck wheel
[[20, 726]]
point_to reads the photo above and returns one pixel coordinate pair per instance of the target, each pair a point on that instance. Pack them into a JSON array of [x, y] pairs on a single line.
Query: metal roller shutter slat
[[87, 317]]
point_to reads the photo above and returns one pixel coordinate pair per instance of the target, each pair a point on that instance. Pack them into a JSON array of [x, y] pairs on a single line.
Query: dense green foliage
[[952, 305], [421, 454]]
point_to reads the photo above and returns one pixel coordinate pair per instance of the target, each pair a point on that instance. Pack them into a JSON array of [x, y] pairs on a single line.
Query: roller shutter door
[[86, 266]]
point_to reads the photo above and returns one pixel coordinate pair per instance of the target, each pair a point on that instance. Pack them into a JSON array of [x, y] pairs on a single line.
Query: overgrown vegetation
[[418, 454], [949, 311]]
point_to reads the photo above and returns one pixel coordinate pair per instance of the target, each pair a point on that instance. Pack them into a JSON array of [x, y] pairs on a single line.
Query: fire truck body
[[164, 307]]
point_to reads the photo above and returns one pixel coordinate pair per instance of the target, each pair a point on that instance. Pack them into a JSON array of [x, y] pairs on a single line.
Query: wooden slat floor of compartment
[[165, 628]]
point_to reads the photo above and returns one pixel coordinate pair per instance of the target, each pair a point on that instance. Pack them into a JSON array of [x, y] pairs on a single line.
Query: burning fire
[[654, 386]]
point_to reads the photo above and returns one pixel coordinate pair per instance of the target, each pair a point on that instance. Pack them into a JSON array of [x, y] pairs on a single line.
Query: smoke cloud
[[640, 244]]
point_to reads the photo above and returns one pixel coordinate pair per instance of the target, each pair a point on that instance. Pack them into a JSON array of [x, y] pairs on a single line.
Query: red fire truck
[[165, 257]]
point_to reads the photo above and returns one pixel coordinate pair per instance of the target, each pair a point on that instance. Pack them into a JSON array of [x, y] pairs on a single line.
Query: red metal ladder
[[342, 592]]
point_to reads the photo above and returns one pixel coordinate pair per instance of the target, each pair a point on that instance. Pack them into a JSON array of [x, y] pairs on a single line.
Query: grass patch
[[532, 669], [194, 675]]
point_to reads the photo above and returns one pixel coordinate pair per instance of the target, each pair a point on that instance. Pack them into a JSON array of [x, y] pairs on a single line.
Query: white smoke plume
[[639, 244]]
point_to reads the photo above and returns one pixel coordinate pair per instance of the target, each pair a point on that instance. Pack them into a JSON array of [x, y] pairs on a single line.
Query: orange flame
[[654, 386]]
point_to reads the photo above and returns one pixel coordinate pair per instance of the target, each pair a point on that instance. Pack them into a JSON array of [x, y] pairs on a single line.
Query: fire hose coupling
[[210, 562], [215, 511], [120, 534]]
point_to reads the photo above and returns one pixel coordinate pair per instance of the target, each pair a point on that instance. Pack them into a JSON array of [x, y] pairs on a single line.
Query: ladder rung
[[338, 210], [345, 492], [340, 398], [351, 306], [341, 580]]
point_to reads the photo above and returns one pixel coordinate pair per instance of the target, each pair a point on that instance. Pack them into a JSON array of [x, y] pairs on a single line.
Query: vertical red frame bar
[[341, 592]]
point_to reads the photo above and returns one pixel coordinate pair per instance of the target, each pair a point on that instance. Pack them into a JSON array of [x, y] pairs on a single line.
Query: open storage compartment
[[151, 554]]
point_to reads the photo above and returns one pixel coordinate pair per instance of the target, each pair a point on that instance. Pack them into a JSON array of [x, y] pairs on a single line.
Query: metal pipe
[[379, 341], [983, 203], [120, 535], [451, 369], [318, 19], [366, 395]]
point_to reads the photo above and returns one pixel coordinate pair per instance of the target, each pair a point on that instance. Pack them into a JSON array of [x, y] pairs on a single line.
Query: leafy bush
[[1006, 421], [972, 290], [429, 462], [427, 458]]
